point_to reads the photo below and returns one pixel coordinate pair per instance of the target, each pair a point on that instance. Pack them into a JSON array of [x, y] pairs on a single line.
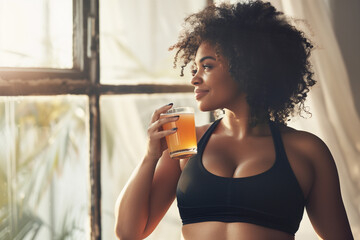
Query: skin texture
[[235, 149]]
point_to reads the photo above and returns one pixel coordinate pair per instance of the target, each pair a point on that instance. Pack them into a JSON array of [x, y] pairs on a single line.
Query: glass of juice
[[181, 144]]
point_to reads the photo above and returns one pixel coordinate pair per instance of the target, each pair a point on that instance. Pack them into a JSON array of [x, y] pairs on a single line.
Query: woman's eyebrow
[[206, 57]]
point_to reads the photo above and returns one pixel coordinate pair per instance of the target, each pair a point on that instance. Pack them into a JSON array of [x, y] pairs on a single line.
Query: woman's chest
[[228, 157]]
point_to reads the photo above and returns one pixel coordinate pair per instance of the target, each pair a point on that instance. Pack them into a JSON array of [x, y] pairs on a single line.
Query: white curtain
[[135, 37], [334, 116]]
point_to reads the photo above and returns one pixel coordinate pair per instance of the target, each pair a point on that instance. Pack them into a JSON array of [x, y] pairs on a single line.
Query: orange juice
[[181, 144]]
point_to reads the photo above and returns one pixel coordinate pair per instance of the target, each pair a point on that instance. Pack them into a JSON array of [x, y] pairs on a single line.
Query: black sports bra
[[271, 199]]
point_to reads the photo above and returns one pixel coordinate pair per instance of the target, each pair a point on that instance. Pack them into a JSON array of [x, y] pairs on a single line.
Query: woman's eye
[[207, 67]]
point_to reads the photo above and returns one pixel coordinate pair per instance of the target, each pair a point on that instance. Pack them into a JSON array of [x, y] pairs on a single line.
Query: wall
[[346, 20]]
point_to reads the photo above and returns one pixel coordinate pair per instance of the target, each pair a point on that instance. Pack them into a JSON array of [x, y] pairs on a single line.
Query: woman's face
[[214, 86]]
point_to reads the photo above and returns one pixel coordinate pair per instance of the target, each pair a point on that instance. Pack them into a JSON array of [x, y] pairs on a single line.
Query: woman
[[253, 175]]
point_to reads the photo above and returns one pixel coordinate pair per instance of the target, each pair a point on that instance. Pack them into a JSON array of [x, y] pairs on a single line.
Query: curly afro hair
[[267, 56]]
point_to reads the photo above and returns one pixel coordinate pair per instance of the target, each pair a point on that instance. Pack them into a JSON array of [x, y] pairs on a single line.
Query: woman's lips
[[199, 93]]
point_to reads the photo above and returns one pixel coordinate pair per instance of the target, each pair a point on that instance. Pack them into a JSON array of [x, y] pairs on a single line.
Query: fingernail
[[174, 129], [170, 104], [177, 116]]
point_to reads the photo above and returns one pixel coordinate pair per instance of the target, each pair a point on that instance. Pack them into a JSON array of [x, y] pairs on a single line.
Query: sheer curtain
[[335, 119], [135, 37]]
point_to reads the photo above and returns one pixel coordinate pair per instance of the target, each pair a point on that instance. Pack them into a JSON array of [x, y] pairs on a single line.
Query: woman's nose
[[196, 80]]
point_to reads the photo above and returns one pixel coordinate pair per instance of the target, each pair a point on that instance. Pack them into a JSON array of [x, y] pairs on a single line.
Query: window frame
[[83, 79], [49, 81]]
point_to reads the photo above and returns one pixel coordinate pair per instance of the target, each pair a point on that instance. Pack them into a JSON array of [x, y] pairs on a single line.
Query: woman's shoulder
[[301, 137], [307, 144]]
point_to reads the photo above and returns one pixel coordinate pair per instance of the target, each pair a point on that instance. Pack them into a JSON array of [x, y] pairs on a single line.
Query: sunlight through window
[[37, 33]]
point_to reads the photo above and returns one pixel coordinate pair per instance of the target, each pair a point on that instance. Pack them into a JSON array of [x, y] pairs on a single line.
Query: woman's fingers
[[159, 123], [156, 134], [164, 133], [155, 126], [157, 112]]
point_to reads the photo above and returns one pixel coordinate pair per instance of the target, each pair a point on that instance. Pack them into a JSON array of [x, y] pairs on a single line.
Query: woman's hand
[[156, 135], [151, 188]]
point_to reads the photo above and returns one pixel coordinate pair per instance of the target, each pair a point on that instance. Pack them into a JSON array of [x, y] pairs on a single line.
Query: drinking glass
[[182, 143]]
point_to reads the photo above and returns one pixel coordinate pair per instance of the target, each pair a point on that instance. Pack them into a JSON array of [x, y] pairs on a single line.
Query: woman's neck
[[238, 124]]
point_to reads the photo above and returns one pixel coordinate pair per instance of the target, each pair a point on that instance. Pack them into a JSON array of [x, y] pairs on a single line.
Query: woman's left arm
[[325, 207]]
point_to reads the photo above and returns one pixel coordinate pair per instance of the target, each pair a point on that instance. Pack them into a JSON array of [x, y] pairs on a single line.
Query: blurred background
[[79, 81]]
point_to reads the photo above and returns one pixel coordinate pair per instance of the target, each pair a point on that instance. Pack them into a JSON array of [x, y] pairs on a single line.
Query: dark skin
[[236, 150]]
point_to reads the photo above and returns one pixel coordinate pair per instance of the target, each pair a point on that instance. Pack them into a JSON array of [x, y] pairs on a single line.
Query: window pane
[[44, 168], [36, 33], [135, 37], [124, 122]]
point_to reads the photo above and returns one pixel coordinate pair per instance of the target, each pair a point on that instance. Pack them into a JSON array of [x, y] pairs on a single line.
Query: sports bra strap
[[204, 139], [279, 146]]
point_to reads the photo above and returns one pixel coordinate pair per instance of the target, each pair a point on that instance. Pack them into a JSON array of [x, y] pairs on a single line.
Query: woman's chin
[[205, 108]]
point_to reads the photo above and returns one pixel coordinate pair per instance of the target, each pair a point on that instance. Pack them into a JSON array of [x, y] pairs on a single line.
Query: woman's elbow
[[128, 233], [128, 229], [121, 233], [125, 235], [118, 233]]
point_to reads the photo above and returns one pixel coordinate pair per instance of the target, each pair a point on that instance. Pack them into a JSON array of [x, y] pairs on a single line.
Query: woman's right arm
[[151, 188]]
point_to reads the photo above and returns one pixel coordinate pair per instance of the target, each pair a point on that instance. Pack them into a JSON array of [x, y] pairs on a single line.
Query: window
[[42, 156], [50, 44], [44, 120], [78, 83]]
